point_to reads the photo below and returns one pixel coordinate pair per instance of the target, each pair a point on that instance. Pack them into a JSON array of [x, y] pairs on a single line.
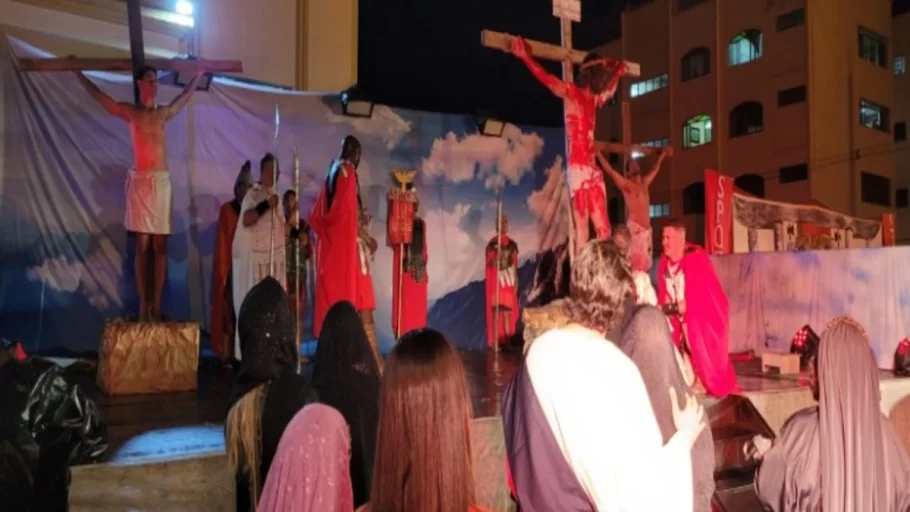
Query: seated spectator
[[346, 376], [841, 455], [310, 471], [644, 336], [570, 451], [423, 452], [268, 392]]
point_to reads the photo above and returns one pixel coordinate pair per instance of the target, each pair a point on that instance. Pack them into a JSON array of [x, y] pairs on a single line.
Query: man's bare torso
[[147, 132], [638, 199]]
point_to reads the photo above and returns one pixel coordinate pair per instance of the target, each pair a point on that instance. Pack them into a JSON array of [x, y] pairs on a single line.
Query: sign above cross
[[138, 60]]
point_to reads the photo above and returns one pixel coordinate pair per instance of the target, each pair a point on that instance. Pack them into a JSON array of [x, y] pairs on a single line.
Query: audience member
[[310, 472], [644, 290], [423, 454], [346, 376], [268, 392], [567, 452], [841, 455]]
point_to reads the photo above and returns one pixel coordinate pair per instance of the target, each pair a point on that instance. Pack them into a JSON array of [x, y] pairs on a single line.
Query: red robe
[[707, 320], [508, 294], [222, 326], [339, 276], [413, 291]]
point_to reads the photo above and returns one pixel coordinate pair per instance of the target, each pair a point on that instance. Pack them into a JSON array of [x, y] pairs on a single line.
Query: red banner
[[718, 213], [888, 238]]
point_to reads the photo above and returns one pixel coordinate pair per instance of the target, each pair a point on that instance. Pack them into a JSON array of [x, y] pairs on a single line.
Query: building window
[[752, 184], [873, 48], [694, 198], [650, 85], [899, 65], [791, 96], [900, 198], [793, 173], [873, 115], [745, 47], [697, 131], [791, 19], [900, 131], [659, 210], [875, 189], [696, 63], [656, 143], [746, 118]]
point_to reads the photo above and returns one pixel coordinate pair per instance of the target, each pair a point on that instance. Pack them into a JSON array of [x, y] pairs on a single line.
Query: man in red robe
[[344, 247], [222, 325], [412, 274], [501, 287], [696, 305]]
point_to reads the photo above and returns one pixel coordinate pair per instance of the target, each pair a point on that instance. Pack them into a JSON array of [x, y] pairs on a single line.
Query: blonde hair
[[243, 439]]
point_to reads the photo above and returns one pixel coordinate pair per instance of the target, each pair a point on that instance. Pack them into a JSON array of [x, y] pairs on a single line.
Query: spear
[[496, 312], [275, 187], [297, 248]]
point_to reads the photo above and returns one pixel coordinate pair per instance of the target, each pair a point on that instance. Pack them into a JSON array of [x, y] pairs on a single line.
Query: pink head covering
[[311, 469]]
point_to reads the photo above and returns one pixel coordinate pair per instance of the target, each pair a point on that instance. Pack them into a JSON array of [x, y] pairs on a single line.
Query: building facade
[[792, 98], [901, 44], [300, 44]]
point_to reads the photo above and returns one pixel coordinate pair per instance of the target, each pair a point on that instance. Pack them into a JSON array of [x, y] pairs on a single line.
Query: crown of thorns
[[603, 61], [848, 321]]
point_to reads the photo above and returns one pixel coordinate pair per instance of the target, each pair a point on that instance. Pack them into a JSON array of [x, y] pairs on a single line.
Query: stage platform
[[169, 448]]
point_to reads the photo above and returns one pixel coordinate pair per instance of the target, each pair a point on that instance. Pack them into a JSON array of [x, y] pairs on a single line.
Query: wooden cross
[[567, 11], [138, 60]]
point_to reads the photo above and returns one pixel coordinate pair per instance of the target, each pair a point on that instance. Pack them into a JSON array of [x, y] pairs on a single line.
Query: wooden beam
[[137, 44], [503, 42], [623, 149], [178, 65]]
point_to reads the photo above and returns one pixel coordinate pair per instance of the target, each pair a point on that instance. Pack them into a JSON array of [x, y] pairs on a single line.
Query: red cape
[[707, 320], [508, 296], [338, 274], [222, 325], [413, 295]]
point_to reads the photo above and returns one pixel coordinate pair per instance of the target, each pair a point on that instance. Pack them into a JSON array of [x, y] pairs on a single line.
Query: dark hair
[[593, 75], [675, 223], [289, 193], [268, 157], [423, 457], [601, 288], [144, 70]]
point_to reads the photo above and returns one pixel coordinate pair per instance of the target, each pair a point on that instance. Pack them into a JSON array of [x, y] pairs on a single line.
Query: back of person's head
[[601, 288], [423, 455]]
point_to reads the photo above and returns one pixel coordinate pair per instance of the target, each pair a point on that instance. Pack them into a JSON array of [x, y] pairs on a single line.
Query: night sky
[[426, 54]]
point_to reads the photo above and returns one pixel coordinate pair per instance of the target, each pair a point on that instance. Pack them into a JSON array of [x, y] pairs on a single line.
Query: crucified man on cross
[[148, 185], [596, 84], [636, 194]]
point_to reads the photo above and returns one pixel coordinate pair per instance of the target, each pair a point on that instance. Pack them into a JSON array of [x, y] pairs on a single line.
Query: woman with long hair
[[268, 391], [841, 455], [310, 472], [579, 429], [423, 452], [346, 376]]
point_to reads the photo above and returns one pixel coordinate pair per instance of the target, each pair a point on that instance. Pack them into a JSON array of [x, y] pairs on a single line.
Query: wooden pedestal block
[[783, 363], [148, 357]]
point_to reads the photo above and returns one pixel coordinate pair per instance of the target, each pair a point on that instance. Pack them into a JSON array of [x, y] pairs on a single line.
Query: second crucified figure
[[636, 193], [596, 84]]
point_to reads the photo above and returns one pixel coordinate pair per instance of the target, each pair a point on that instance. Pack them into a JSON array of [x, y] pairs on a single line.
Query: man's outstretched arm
[[184, 97], [521, 50], [619, 179], [656, 167], [114, 108]]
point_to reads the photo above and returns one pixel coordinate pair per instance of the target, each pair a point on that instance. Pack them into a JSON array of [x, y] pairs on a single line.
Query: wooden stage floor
[[143, 427]]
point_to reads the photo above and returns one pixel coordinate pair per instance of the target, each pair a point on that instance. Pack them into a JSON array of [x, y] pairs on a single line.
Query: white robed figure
[[252, 249]]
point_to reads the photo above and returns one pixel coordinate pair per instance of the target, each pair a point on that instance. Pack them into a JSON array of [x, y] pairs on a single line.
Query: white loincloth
[[641, 253], [251, 251], [149, 202]]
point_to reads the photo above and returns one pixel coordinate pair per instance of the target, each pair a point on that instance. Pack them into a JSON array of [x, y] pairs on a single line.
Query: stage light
[[183, 7], [902, 358], [489, 126], [354, 103], [804, 343]]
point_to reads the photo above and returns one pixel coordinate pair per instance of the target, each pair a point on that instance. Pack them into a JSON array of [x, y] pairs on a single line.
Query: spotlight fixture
[[804, 343], [354, 103]]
